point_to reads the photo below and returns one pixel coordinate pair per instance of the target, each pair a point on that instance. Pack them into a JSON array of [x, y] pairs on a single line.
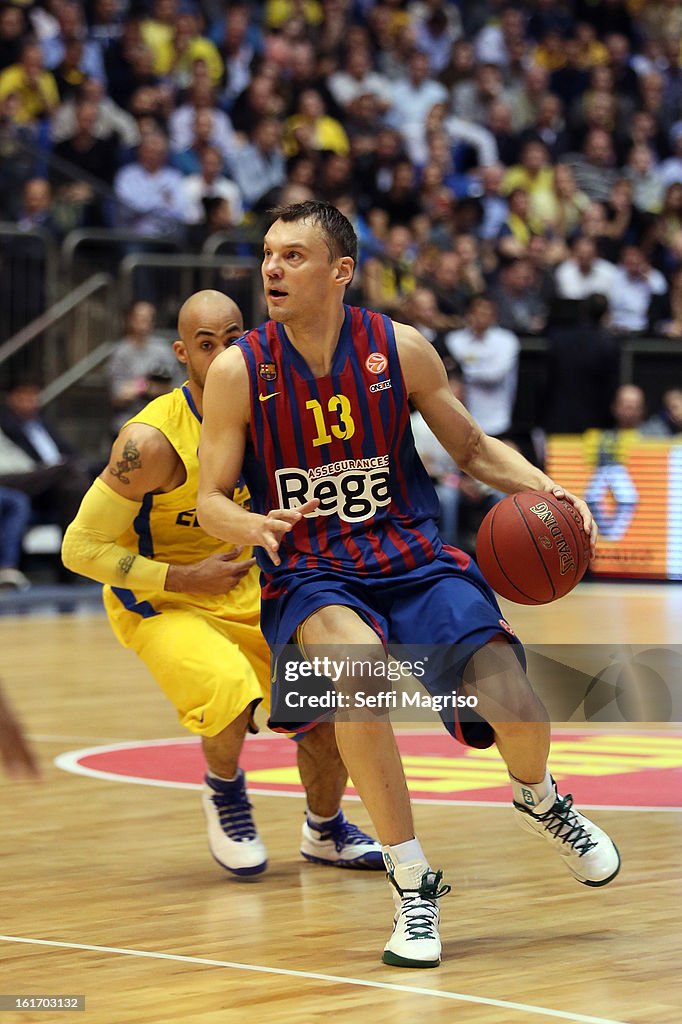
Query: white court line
[[335, 979], [69, 761]]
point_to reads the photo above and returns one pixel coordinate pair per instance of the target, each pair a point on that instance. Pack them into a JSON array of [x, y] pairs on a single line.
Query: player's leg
[[327, 835], [522, 734], [370, 753], [214, 690]]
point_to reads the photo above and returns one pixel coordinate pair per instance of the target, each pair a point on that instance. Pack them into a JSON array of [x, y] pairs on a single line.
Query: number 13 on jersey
[[338, 407]]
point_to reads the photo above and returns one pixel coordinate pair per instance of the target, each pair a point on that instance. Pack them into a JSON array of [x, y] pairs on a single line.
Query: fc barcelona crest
[[267, 371]]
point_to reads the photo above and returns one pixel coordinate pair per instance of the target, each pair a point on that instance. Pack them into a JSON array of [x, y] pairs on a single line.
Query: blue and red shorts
[[444, 609]]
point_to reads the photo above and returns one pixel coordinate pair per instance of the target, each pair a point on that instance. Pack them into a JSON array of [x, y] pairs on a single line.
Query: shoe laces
[[343, 833], [234, 813], [563, 822], [419, 907]]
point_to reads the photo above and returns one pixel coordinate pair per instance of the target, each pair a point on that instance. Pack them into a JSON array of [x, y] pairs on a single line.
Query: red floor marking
[[618, 769]]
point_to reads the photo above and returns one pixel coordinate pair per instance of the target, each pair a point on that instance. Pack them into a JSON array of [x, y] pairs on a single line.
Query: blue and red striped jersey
[[344, 439]]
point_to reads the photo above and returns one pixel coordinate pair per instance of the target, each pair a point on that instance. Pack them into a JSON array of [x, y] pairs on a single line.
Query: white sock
[[405, 853], [317, 819], [530, 794], [221, 778]]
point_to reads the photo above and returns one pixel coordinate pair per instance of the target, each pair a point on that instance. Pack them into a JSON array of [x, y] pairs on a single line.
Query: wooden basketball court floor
[[108, 889]]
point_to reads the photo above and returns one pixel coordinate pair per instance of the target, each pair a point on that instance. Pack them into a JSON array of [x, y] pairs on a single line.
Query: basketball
[[532, 549]]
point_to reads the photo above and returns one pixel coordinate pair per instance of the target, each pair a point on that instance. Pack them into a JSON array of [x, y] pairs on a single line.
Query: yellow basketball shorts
[[209, 667]]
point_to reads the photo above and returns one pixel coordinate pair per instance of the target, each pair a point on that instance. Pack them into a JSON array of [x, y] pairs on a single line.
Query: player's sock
[[530, 794], [232, 836]]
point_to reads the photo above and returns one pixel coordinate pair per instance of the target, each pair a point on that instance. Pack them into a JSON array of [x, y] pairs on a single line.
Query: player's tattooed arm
[[129, 460], [126, 563]]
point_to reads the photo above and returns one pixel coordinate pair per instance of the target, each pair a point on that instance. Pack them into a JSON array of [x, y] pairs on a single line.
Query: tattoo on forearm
[[131, 460], [126, 563]]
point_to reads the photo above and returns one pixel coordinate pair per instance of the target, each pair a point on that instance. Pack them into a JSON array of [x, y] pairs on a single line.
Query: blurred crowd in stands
[[528, 153]]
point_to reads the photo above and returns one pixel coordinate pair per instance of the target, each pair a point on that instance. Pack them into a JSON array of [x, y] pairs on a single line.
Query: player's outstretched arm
[[475, 452], [221, 453], [142, 461]]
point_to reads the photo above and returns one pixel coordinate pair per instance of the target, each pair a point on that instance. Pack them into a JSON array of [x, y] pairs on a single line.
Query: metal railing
[[67, 331], [28, 276], [175, 277]]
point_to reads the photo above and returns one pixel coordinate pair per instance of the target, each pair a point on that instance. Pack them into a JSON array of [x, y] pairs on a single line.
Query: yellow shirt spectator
[[37, 96], [167, 60], [277, 12]]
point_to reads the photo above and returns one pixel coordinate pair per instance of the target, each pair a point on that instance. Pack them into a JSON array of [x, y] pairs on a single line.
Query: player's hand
[[589, 525], [276, 523], [17, 757], [217, 574]]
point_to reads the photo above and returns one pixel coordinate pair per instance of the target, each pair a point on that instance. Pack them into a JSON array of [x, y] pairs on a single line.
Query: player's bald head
[[207, 306]]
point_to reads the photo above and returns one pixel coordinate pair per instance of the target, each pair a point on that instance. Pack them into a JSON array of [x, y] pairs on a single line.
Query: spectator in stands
[[420, 310], [358, 79], [451, 292], [34, 87], [151, 193], [141, 367], [12, 30], [211, 183], [628, 407], [526, 102], [388, 279], [499, 124], [549, 128], [239, 40], [670, 170], [55, 478], [493, 202], [667, 422], [259, 99], [111, 120], [15, 516], [72, 32], [259, 168], [634, 292], [594, 168], [489, 356], [311, 130], [84, 150], [182, 121], [584, 273], [176, 57], [566, 203], [647, 187], [472, 99], [518, 295], [519, 227], [535, 175]]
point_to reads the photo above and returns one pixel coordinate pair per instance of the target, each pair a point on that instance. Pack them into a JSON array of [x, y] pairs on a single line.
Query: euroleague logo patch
[[376, 363]]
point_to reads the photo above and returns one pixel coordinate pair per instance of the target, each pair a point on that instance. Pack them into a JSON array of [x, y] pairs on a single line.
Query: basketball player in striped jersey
[[189, 605], [312, 407]]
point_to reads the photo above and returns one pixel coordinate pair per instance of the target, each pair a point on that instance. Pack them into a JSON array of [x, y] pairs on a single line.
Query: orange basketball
[[532, 548]]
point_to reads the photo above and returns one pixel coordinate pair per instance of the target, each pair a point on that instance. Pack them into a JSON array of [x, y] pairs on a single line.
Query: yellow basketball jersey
[[166, 528]]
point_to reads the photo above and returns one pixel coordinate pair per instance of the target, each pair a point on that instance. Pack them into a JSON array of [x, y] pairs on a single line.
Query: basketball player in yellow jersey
[[189, 605]]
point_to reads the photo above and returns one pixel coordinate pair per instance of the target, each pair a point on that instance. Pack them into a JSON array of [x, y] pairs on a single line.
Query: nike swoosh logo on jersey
[[266, 398]]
